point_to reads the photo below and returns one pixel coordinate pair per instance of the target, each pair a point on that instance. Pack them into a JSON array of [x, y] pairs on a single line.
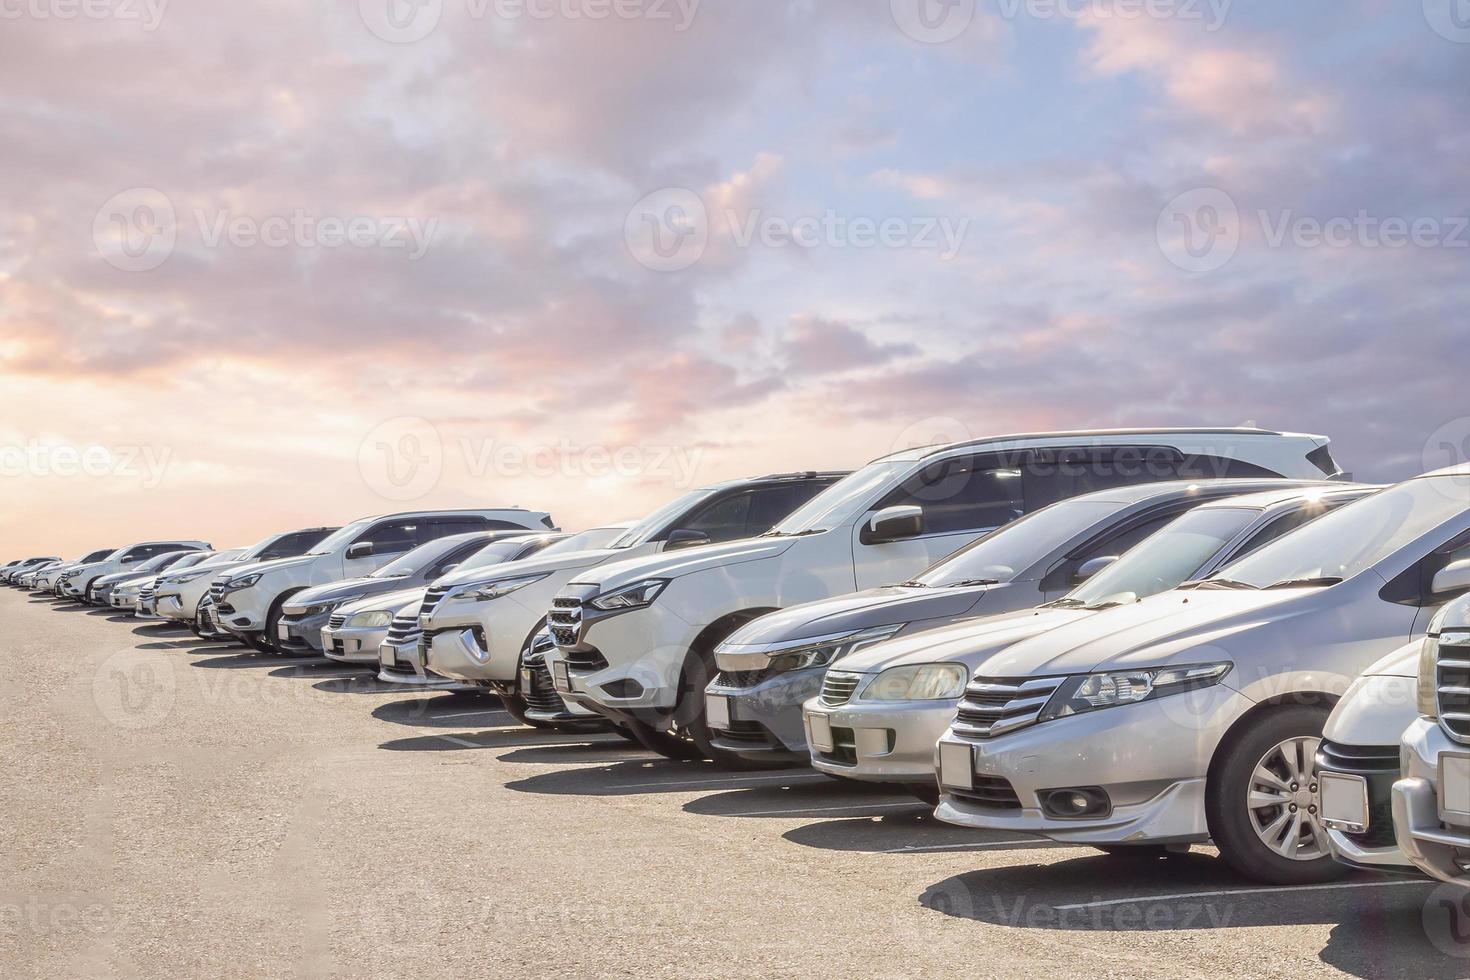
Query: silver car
[[1195, 715], [875, 732]]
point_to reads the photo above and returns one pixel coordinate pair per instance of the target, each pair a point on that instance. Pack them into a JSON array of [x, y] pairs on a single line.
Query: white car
[[862, 729], [179, 596], [75, 582], [1431, 800], [636, 639], [249, 600], [124, 592], [1196, 714], [50, 580], [1358, 762]]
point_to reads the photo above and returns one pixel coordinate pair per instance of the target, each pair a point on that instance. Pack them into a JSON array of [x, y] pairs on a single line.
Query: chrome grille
[[838, 687], [404, 630], [565, 620], [336, 621], [994, 706], [1452, 681], [216, 593], [432, 598], [147, 592]]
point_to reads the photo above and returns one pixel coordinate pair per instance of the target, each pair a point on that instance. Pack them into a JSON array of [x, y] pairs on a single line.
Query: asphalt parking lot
[[178, 808]]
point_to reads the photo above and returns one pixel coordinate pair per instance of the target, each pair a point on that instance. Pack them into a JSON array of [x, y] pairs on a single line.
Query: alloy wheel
[[1282, 800]]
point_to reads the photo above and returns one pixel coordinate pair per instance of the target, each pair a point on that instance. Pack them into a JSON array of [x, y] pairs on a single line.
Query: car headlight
[[824, 651], [1088, 692], [920, 682], [496, 589], [243, 582], [634, 596], [369, 620]]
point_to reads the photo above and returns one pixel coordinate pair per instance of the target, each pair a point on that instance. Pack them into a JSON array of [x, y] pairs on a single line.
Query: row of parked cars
[[1136, 640]]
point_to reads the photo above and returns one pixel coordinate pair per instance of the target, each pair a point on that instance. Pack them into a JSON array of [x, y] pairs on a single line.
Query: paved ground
[[174, 808]]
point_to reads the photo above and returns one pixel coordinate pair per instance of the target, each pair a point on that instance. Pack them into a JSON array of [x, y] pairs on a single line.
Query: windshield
[[158, 561], [193, 558], [97, 555], [1005, 552], [825, 509], [416, 560], [654, 524], [1355, 537], [493, 554], [589, 540], [340, 538], [1163, 561]]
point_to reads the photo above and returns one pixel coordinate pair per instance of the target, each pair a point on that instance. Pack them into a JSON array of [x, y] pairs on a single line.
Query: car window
[[1206, 467], [1279, 527], [393, 537], [966, 494], [1005, 553], [455, 556], [723, 519], [832, 505], [442, 527], [1166, 559], [293, 544], [1062, 473], [769, 504]]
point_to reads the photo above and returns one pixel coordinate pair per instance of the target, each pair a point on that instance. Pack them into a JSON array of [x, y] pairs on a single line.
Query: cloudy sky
[[273, 264]]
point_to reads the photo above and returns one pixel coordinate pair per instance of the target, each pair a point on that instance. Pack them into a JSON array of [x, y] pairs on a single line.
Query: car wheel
[[670, 745], [1261, 800], [928, 792]]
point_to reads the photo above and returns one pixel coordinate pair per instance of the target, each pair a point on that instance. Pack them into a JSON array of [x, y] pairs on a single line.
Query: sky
[[282, 264]]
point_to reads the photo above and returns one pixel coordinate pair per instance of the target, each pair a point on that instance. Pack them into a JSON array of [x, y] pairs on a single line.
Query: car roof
[[1022, 437], [1169, 489], [1271, 498]]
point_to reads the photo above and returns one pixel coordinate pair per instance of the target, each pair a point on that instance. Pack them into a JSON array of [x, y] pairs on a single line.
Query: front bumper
[[463, 653], [241, 611], [1376, 848], [880, 741], [1151, 759], [766, 716], [401, 664], [169, 605], [303, 634], [353, 646], [627, 662], [1433, 833], [126, 601]]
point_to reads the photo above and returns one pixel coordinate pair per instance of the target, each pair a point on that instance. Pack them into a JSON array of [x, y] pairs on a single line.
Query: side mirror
[[363, 549], [894, 524], [1453, 578], [1092, 566], [447, 569], [685, 538]]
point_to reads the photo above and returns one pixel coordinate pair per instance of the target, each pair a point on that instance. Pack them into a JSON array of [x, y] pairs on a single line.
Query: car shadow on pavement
[[234, 657], [907, 832], [650, 775], [510, 737], [807, 797], [447, 710], [578, 748], [161, 629]]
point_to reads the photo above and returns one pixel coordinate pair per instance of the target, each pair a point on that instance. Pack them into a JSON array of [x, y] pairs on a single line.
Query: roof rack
[[803, 475], [1083, 433]]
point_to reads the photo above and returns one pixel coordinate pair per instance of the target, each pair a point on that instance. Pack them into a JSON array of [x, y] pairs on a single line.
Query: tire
[[1279, 843], [927, 792], [1140, 852], [666, 744], [267, 640]]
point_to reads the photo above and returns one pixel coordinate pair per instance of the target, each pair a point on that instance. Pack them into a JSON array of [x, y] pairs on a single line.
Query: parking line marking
[[469, 714], [804, 811], [972, 847], [717, 780], [466, 743], [1238, 891]]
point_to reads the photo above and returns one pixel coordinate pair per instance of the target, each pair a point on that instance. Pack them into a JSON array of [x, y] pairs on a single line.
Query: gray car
[[771, 666], [309, 611]]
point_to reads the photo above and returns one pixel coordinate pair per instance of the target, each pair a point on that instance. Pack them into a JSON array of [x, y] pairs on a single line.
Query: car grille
[[741, 678], [993, 792], [432, 598], [540, 694], [404, 630], [565, 620], [994, 706], [1379, 765], [336, 621], [147, 592], [838, 687], [1452, 679], [217, 594]]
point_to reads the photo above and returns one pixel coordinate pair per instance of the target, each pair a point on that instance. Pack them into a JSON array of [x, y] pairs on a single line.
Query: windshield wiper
[[1225, 583], [967, 582], [794, 534], [1302, 583], [1065, 603]]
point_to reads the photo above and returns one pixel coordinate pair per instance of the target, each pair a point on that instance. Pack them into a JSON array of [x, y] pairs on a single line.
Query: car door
[[961, 498], [389, 538]]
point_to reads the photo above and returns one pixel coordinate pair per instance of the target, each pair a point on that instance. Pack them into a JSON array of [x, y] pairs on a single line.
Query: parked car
[[145, 590], [23, 565], [104, 587], [774, 664], [1357, 762], [308, 612], [477, 628], [1195, 715], [250, 600], [50, 581], [358, 628], [76, 583], [180, 597], [1431, 799], [866, 731], [635, 640], [402, 658], [26, 578]]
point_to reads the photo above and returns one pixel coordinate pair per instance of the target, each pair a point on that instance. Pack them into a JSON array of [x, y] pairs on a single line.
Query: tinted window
[[722, 520], [1168, 558], [769, 504], [392, 537], [1060, 474], [1204, 467], [293, 544], [1279, 527], [966, 494], [1005, 553], [441, 527]]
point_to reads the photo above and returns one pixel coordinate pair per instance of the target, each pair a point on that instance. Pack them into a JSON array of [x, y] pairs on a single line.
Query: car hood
[[346, 590], [857, 611], [235, 570], [114, 578], [1166, 628], [565, 562], [1403, 662], [969, 642], [675, 564], [394, 602]]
